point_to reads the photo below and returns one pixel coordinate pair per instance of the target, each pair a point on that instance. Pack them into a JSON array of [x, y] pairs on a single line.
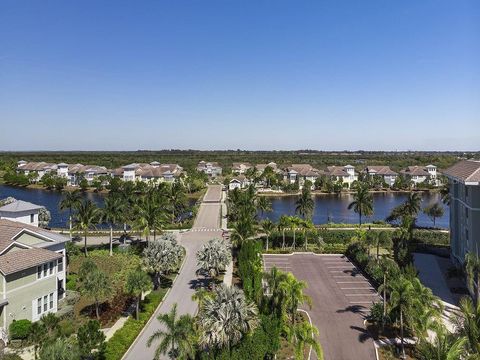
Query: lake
[[333, 208]]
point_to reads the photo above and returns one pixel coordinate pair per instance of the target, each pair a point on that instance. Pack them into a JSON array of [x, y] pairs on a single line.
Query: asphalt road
[[341, 299], [206, 227]]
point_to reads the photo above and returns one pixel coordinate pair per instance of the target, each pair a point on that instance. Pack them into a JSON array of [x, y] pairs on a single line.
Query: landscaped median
[[123, 338]]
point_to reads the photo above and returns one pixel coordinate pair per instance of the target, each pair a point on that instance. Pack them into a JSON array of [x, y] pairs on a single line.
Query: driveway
[[206, 227], [341, 299]]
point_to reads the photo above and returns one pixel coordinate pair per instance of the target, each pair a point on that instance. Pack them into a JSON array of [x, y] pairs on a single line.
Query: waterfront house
[[212, 169], [388, 175], [464, 186], [301, 173], [419, 174], [39, 169], [32, 271], [344, 174], [240, 168], [238, 182], [152, 172], [21, 211]]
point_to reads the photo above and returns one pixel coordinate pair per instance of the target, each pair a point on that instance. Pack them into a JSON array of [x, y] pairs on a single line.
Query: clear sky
[[228, 74]]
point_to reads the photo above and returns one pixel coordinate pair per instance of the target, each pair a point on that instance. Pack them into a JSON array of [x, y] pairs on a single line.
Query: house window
[[51, 301], [39, 272], [51, 267], [60, 264], [45, 270], [32, 218], [39, 306], [45, 303]]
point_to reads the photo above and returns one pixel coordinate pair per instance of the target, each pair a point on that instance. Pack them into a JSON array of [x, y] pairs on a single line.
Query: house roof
[[336, 171], [380, 170], [19, 206], [466, 171], [303, 169], [36, 166], [10, 229], [15, 261], [239, 178], [415, 171]]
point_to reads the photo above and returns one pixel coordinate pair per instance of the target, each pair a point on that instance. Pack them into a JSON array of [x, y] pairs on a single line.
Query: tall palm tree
[[274, 278], [362, 202], [213, 257], [401, 298], [295, 223], [307, 225], [468, 325], [178, 337], [443, 347], [177, 197], [243, 229], [112, 213], [305, 205], [292, 291], [267, 227], [149, 216], [226, 317], [302, 334], [86, 218], [70, 201], [264, 204], [472, 267], [136, 284], [283, 224]]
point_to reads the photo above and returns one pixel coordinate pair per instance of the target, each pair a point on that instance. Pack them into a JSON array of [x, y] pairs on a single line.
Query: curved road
[[206, 227]]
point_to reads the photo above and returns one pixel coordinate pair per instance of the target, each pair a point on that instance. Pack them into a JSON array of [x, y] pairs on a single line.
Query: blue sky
[[326, 75]]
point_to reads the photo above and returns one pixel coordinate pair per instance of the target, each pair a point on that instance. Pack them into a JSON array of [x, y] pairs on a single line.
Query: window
[[45, 303], [32, 218], [39, 306], [39, 272], [51, 267], [60, 264], [45, 270], [51, 301]]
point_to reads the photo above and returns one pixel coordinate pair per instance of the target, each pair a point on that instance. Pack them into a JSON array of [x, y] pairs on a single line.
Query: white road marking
[[357, 288], [361, 295], [349, 282], [360, 302]]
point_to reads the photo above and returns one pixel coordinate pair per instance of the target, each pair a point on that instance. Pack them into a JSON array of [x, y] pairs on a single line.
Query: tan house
[[152, 172], [345, 174], [240, 168], [388, 175]]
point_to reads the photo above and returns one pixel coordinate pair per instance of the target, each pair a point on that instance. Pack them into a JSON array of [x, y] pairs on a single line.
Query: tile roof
[[19, 205], [19, 260], [37, 166], [380, 170], [415, 171], [464, 171], [304, 169]]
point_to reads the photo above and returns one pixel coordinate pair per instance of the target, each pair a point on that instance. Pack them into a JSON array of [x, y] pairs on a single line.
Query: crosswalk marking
[[205, 230]]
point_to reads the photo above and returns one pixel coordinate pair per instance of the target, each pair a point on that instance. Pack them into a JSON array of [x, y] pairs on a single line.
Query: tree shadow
[[199, 283], [356, 309], [364, 334], [353, 272]]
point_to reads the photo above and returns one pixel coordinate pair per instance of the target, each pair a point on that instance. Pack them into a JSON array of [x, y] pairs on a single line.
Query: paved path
[[341, 299], [184, 286]]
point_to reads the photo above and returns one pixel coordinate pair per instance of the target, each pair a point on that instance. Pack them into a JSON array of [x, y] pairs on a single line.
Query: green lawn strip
[[124, 337]]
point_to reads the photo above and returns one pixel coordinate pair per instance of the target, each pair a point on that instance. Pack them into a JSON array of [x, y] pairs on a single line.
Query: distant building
[[344, 174], [37, 168], [420, 174], [21, 211], [464, 185], [240, 168], [261, 168], [389, 176], [32, 271], [301, 173], [153, 172], [212, 169], [238, 182]]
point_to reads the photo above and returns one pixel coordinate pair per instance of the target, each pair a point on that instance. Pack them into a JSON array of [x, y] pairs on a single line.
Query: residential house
[[38, 168], [32, 271], [240, 168], [301, 173], [153, 172], [389, 176], [344, 174], [464, 186], [21, 211], [261, 168], [419, 174], [238, 182], [212, 169]]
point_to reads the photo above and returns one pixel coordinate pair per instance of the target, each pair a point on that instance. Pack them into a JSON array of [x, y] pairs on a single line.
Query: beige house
[[301, 173], [152, 172], [389, 176], [32, 272], [240, 168], [212, 169], [345, 174], [419, 174]]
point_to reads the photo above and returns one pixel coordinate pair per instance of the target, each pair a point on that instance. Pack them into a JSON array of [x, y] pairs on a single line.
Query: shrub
[[20, 329], [66, 327], [250, 268], [376, 313], [72, 281]]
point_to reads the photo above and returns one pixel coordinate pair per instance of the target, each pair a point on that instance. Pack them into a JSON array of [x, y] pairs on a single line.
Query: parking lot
[[341, 299]]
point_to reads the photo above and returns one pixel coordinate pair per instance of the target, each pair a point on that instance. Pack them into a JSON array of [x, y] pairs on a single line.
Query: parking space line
[[349, 282], [361, 295], [358, 288], [360, 302]]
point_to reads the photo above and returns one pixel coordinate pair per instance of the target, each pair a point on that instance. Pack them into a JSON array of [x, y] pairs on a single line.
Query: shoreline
[[321, 193]]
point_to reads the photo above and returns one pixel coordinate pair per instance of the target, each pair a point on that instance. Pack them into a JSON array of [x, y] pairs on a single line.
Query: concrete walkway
[[187, 281]]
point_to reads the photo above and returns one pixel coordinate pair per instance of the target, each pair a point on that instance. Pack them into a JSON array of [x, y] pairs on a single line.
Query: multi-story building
[[32, 271], [388, 175], [419, 174], [240, 168], [153, 172], [344, 174], [212, 169], [21, 211], [37, 168], [464, 185], [300, 173]]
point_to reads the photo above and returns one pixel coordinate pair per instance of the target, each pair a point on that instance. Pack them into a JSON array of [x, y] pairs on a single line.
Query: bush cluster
[[250, 268], [20, 329]]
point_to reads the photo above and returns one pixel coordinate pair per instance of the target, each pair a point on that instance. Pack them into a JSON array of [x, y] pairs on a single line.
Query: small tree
[[434, 211], [136, 284], [96, 285], [267, 227], [213, 257], [36, 336], [90, 337]]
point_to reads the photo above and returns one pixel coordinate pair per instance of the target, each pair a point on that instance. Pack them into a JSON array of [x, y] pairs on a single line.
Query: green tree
[[70, 201], [434, 211], [86, 218], [276, 295], [60, 349], [264, 204], [267, 227], [468, 326], [213, 257], [303, 334], [112, 213], [292, 292], [97, 286], [37, 336], [149, 216], [443, 347], [90, 338], [178, 337], [362, 202], [136, 284], [304, 206]]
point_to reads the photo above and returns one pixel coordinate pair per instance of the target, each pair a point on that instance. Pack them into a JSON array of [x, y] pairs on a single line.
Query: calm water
[[333, 208]]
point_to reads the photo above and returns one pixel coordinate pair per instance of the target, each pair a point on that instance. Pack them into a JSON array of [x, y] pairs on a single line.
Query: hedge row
[[124, 337]]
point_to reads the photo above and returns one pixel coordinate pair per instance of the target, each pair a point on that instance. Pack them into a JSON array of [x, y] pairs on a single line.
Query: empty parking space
[[341, 297]]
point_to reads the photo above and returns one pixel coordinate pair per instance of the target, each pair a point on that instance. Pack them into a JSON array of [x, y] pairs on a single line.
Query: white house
[[240, 168], [212, 169], [389, 176], [301, 173], [21, 211], [420, 174], [153, 172], [238, 182], [345, 174]]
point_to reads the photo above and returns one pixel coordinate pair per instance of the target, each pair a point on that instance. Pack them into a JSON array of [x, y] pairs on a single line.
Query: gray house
[[464, 182]]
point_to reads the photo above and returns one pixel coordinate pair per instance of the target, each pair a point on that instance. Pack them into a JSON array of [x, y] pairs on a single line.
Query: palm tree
[[96, 285], [267, 227], [112, 213], [443, 347], [362, 202], [226, 317], [401, 298], [292, 291], [283, 223], [305, 204], [242, 230], [86, 217], [149, 216], [60, 349], [70, 201], [136, 284], [178, 337], [307, 225], [468, 325], [213, 257], [302, 334], [378, 240], [273, 279], [264, 204], [472, 267], [434, 211], [200, 295], [295, 222]]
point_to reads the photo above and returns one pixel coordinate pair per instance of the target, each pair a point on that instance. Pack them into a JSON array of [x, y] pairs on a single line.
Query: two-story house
[[344, 174], [32, 271], [240, 168], [212, 169], [464, 186], [21, 211], [419, 174], [301, 173], [153, 172], [388, 175]]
